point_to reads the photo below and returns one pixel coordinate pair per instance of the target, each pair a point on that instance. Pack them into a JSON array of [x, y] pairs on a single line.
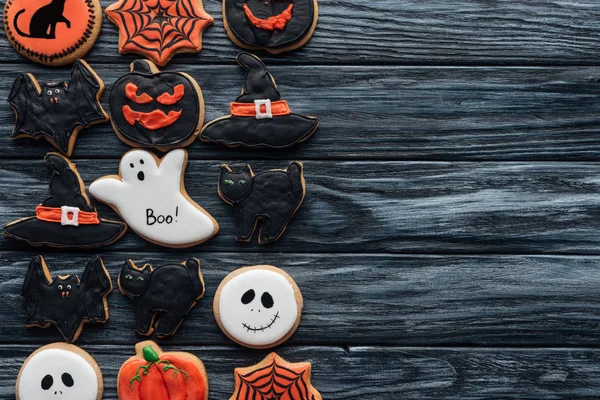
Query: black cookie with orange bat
[[273, 25], [157, 109]]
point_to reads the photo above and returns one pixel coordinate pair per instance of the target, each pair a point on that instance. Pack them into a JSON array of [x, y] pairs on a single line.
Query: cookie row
[[67, 372], [258, 307], [149, 195], [153, 109], [60, 32]]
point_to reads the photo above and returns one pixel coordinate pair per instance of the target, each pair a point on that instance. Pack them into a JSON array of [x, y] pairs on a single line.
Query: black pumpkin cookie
[[150, 108], [273, 25], [259, 117]]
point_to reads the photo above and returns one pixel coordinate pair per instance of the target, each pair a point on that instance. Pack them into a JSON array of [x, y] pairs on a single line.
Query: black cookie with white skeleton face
[[59, 371], [258, 307]]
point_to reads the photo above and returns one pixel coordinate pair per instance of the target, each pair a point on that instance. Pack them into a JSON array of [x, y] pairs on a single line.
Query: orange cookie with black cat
[[55, 32]]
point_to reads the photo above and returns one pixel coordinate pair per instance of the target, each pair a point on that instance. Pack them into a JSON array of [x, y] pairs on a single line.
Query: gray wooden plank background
[[448, 246]]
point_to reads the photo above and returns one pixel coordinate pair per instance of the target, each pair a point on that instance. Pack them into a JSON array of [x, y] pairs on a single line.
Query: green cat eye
[[128, 276], [139, 278], [228, 182], [242, 182]]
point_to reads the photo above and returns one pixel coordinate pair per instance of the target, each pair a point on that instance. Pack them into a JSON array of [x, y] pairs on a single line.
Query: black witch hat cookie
[[57, 111], [66, 218], [259, 117], [150, 108], [66, 301], [272, 25]]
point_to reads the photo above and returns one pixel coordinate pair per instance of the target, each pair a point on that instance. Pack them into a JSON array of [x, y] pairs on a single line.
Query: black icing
[[162, 297], [277, 132], [67, 379], [154, 85], [266, 300], [59, 109], [270, 196], [303, 15], [49, 305], [248, 296], [47, 382], [66, 189]]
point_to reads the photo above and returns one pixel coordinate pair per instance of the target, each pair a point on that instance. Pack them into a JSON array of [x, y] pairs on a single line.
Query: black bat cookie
[[65, 301], [162, 296], [57, 111], [272, 197]]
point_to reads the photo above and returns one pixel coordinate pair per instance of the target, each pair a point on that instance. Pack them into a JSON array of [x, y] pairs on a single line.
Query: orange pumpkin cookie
[[274, 378], [156, 375], [52, 32], [159, 29]]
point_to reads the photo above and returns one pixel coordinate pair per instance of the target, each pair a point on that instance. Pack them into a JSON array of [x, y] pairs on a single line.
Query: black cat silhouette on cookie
[[43, 22]]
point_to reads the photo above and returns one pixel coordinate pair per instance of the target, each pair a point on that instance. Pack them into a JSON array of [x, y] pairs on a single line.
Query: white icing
[[253, 323], [154, 207], [56, 362]]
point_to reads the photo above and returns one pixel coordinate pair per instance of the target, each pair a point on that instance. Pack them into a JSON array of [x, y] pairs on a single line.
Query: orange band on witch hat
[[260, 109], [66, 215]]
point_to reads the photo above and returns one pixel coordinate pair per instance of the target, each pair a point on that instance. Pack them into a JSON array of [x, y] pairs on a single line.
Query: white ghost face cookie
[[258, 307], [149, 195], [59, 371]]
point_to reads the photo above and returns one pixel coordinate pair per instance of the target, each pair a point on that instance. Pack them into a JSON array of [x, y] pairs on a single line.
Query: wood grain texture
[[536, 32], [382, 373], [361, 299], [380, 113], [398, 207]]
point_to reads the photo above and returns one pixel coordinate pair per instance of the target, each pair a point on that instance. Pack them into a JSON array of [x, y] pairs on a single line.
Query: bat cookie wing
[[23, 97], [97, 285], [37, 276], [88, 88]]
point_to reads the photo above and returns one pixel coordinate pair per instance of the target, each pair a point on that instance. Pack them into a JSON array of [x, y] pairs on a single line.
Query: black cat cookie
[[270, 197], [162, 296], [273, 25], [52, 32], [157, 109], [259, 117], [66, 301], [66, 218], [57, 111]]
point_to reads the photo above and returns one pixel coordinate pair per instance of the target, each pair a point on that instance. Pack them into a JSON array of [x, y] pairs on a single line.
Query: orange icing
[[278, 108], [131, 93], [169, 99], [271, 23], [152, 120], [77, 12]]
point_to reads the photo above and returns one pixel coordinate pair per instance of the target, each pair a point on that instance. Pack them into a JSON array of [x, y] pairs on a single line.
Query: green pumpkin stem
[[152, 357]]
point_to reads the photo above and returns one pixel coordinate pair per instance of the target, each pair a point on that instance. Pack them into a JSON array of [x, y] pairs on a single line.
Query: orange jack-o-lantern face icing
[[50, 30], [278, 21], [152, 108]]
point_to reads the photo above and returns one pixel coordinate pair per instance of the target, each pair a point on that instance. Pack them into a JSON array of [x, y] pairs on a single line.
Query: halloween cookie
[[274, 378], [52, 32], [59, 371], [272, 197], [66, 218], [258, 307], [259, 117], [273, 25], [57, 111], [156, 109], [154, 374], [162, 297], [149, 195], [66, 301], [159, 29]]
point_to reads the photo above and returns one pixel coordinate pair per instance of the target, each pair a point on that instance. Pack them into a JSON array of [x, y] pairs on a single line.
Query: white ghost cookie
[[258, 307], [59, 371], [149, 195]]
